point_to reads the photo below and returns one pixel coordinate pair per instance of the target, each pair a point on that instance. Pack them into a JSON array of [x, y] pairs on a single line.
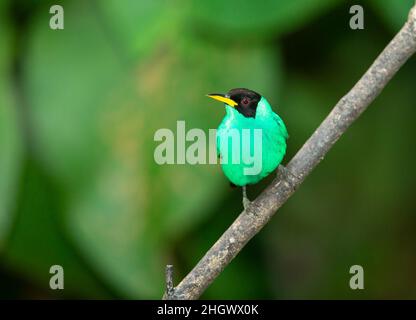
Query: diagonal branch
[[345, 112]]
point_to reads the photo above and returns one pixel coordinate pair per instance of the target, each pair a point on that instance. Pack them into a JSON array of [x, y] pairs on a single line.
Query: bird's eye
[[245, 101]]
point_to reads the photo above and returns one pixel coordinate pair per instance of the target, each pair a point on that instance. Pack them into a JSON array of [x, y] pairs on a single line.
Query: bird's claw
[[283, 173], [246, 203]]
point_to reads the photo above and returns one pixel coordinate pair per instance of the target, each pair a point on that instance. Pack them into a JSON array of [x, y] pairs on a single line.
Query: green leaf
[[94, 126], [38, 240], [393, 12], [238, 19], [10, 138], [28, 203], [134, 26]]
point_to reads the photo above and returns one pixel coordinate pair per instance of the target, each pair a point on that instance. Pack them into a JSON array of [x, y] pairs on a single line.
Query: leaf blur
[[79, 185]]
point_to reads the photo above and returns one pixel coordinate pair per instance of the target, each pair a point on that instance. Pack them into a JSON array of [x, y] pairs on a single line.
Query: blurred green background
[[79, 186]]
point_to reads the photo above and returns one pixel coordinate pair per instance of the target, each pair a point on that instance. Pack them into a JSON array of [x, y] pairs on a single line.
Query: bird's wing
[[218, 146], [281, 125]]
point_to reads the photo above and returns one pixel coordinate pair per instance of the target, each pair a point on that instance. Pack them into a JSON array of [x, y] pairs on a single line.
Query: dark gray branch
[[345, 112], [170, 290]]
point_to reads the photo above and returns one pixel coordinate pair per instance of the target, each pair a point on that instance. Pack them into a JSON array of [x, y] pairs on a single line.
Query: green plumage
[[273, 142]]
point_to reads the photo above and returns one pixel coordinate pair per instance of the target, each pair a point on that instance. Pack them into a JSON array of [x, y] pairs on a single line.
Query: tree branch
[[345, 112], [169, 295]]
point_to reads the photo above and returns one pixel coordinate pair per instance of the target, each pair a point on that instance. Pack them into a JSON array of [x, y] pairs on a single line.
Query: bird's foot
[[246, 201], [283, 173]]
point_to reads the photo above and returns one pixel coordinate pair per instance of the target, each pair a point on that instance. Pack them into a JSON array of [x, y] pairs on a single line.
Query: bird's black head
[[246, 99], [243, 100]]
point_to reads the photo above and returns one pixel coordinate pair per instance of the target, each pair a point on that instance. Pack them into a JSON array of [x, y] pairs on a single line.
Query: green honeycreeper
[[246, 109]]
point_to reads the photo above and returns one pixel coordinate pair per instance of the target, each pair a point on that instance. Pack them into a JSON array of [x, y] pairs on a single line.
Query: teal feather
[[273, 142]]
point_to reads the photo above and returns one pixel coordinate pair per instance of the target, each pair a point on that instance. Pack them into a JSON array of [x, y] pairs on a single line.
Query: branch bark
[[345, 112], [169, 293]]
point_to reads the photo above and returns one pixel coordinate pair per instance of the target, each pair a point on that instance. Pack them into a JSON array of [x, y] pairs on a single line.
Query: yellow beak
[[222, 98]]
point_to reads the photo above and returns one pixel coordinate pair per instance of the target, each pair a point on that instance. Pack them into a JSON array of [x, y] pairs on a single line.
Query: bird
[[247, 109]]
